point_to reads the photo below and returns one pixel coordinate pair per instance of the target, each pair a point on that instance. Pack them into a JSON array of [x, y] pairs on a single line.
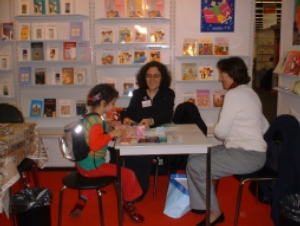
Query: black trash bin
[[290, 210], [32, 206]]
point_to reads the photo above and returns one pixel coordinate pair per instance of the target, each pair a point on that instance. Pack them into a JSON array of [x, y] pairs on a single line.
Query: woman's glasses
[[155, 76]]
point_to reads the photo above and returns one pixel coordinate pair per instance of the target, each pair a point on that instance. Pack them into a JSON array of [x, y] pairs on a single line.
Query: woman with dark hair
[[240, 127], [151, 105]]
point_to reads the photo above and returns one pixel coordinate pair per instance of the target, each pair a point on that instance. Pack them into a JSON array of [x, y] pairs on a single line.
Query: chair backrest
[[10, 114], [186, 113]]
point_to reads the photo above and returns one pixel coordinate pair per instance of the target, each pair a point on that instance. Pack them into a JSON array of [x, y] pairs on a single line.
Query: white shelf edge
[[196, 81], [121, 65], [133, 44], [48, 85], [51, 40], [133, 19], [52, 61], [51, 15], [207, 57], [286, 91]]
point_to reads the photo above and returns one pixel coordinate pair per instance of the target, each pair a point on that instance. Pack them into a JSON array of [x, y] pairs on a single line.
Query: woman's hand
[[116, 133], [147, 122], [127, 122]]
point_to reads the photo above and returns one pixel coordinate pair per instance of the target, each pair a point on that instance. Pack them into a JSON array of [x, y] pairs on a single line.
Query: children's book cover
[[80, 76], [37, 31], [83, 51], [50, 31], [69, 50], [139, 56], [217, 15], [24, 76], [140, 33], [189, 97], [52, 52], [107, 57], [24, 7], [292, 63], [157, 34], [218, 98], [189, 71], [24, 52], [189, 47], [5, 61], [81, 107], [75, 30], [205, 46], [124, 35], [221, 46], [107, 35], [114, 8], [155, 54], [64, 108], [125, 56], [281, 63], [203, 98], [6, 87], [24, 31], [155, 8], [135, 8], [37, 51], [206, 72], [39, 7], [36, 107], [68, 76], [110, 81], [56, 76], [49, 107], [54, 6], [128, 86], [7, 31], [40, 76]]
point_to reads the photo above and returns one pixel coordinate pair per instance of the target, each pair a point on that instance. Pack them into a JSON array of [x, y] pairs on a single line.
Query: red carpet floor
[[251, 213]]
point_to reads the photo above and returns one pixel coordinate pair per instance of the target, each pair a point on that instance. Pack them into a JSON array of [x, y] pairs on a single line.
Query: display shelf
[[133, 44], [196, 81], [286, 91], [122, 20]]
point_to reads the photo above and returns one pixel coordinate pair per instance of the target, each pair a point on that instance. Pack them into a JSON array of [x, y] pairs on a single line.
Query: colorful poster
[[296, 27], [217, 15]]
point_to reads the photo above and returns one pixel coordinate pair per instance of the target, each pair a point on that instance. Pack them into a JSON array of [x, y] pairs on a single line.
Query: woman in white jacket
[[240, 127]]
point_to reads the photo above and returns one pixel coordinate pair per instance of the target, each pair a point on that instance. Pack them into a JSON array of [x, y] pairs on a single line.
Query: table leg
[[119, 187], [208, 184]]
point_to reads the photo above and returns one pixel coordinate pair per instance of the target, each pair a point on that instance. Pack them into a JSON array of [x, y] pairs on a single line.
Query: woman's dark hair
[[236, 68], [165, 75], [101, 92]]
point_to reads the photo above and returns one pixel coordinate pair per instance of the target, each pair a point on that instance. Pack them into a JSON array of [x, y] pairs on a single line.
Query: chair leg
[[60, 205], [256, 194], [119, 200], [155, 178], [217, 185], [238, 204], [34, 171], [100, 207], [11, 211]]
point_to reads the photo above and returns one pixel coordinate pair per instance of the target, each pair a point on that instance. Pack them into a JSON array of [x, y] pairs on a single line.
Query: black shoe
[[199, 212], [219, 220]]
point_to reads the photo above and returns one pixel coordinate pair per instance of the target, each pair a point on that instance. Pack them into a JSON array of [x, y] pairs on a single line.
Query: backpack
[[73, 144]]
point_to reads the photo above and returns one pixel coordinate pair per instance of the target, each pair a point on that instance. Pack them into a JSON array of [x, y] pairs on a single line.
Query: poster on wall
[[296, 23], [217, 16]]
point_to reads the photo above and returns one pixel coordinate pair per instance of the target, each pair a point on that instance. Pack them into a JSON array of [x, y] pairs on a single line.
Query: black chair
[[76, 181]]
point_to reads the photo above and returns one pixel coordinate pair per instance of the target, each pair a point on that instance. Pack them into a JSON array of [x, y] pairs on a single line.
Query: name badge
[[146, 103]]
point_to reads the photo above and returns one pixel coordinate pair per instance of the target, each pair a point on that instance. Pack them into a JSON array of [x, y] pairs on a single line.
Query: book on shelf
[[5, 61], [40, 76], [66, 6], [39, 7], [154, 54], [50, 31], [205, 46], [155, 8], [83, 51], [140, 33], [37, 31], [50, 107], [24, 76], [24, 31], [125, 56], [68, 76], [110, 81], [221, 46], [75, 30], [189, 71], [203, 98], [36, 108], [80, 76], [128, 86], [24, 7], [64, 108], [69, 50], [189, 97], [124, 35], [6, 89], [52, 52], [106, 35], [81, 107], [218, 97], [54, 6], [24, 52], [7, 31], [37, 51], [292, 63], [157, 34], [107, 56], [279, 68], [56, 76], [189, 47], [139, 56], [206, 72], [114, 8], [135, 8]]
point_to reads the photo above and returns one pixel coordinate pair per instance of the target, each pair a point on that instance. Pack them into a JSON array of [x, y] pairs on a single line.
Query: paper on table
[[174, 139]]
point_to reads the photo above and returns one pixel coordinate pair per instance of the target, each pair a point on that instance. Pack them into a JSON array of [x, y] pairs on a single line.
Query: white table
[[193, 142]]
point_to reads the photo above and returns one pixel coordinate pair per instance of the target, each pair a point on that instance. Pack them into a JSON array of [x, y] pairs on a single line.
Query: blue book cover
[[39, 7], [36, 108], [54, 6], [75, 30], [24, 76]]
